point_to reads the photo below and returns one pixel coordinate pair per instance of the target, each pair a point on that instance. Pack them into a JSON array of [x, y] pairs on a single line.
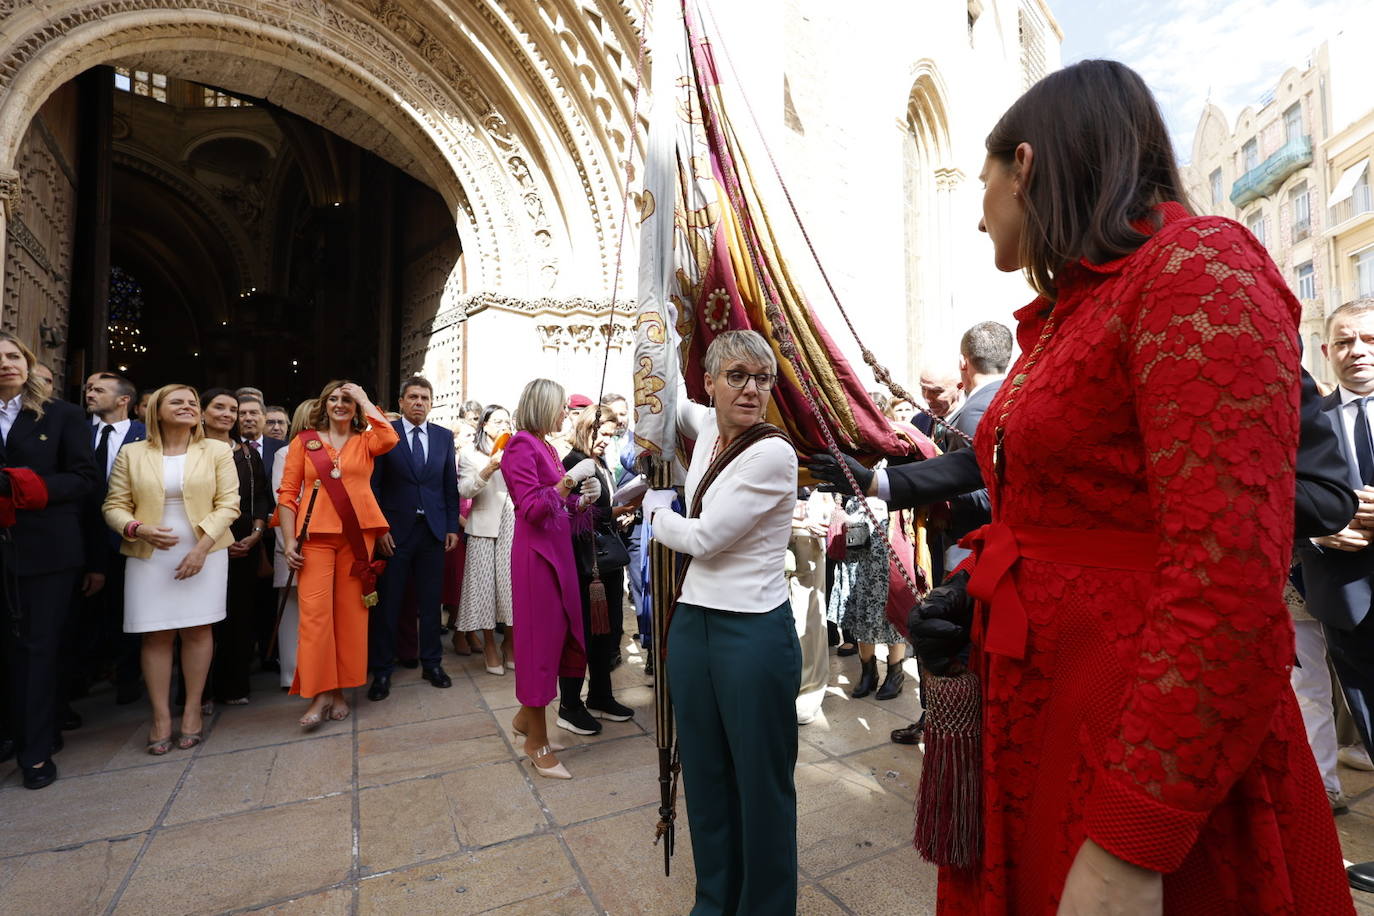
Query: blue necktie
[[417, 452], [1364, 451]]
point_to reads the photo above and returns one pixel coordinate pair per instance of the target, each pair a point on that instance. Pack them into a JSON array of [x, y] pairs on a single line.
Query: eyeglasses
[[736, 378]]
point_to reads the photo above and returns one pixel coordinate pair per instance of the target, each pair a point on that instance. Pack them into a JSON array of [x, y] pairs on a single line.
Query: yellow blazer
[[210, 488]]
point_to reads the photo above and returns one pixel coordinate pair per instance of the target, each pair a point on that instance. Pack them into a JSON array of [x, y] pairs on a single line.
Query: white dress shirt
[[121, 431], [739, 542], [9, 412], [409, 434]]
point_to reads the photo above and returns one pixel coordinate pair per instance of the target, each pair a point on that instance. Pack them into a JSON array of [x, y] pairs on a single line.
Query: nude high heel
[[557, 771]]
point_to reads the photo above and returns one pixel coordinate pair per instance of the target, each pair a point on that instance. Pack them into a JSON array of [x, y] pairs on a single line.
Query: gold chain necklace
[[1017, 382]]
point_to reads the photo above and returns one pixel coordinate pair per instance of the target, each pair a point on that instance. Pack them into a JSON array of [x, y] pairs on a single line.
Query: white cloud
[[1231, 52]]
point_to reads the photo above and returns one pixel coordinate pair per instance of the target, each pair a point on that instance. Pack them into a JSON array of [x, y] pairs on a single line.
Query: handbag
[[835, 536], [610, 552]]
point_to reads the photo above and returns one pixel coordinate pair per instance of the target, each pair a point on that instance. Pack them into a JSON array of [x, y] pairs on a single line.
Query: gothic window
[[142, 82], [1031, 26], [126, 311]]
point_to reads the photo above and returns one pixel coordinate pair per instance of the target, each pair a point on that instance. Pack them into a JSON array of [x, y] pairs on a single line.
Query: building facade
[[294, 190], [1294, 171]]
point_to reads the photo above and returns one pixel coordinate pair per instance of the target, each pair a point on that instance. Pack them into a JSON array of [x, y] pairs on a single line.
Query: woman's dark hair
[[1103, 159], [207, 396], [482, 424]]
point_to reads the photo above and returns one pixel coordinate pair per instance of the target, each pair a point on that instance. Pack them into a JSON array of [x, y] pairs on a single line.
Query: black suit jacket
[[56, 447], [400, 492], [269, 452], [1325, 503], [1339, 583], [969, 511], [102, 544]]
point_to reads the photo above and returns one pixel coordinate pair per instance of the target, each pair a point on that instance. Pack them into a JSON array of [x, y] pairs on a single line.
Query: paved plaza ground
[[420, 804]]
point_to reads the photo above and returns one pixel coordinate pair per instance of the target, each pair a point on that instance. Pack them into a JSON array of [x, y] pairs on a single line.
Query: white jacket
[[489, 497]]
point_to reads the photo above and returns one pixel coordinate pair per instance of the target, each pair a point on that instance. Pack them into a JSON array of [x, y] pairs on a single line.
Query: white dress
[[154, 599]]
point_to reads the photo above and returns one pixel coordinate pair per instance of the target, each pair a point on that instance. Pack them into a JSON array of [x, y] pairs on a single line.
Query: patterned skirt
[[486, 599]]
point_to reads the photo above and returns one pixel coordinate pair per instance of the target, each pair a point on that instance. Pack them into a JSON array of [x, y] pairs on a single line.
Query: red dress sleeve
[[1214, 362]]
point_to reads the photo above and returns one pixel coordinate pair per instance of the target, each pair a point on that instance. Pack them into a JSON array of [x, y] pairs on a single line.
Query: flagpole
[[663, 567]]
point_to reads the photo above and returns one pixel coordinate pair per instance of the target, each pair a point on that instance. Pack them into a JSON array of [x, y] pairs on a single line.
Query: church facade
[[279, 192]]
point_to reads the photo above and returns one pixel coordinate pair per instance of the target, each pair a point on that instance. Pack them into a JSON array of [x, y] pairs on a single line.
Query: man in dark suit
[[1338, 569], [109, 398], [416, 485], [252, 429]]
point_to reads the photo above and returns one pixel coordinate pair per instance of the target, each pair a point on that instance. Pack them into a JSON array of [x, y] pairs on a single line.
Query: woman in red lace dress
[[1143, 751]]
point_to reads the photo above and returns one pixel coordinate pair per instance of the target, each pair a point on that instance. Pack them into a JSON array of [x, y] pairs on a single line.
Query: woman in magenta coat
[[546, 600]]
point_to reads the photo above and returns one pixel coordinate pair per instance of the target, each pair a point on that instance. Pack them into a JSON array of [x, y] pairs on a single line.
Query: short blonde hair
[[154, 422], [540, 410], [744, 346], [35, 391]]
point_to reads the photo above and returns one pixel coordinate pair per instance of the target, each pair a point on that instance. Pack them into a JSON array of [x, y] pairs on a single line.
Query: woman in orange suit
[[346, 433]]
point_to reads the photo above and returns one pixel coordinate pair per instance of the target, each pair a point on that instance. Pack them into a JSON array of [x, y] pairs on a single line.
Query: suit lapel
[[23, 427], [435, 458]]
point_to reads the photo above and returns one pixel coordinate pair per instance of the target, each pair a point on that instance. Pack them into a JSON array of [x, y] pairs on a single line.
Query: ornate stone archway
[[516, 111]]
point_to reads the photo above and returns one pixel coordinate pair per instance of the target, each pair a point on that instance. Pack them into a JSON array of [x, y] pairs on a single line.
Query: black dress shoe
[[40, 777], [380, 689], [71, 719], [437, 676], [911, 734], [6, 749], [58, 743], [411, 663], [1361, 877]]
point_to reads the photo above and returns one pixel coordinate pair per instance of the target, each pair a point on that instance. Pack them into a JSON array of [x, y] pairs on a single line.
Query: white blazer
[[489, 497], [739, 543]]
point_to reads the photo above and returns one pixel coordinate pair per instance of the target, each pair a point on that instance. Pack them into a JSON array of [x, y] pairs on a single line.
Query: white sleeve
[[692, 417], [748, 490]]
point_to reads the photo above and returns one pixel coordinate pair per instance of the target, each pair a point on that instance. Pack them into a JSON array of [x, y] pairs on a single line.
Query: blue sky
[[1232, 51]]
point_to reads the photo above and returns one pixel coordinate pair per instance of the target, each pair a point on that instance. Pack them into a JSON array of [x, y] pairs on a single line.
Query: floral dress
[[858, 599]]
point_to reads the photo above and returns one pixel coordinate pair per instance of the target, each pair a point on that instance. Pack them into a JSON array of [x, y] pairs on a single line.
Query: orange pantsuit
[[333, 621]]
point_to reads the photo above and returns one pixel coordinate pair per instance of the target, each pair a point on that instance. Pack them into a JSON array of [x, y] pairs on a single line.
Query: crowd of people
[[1134, 530]]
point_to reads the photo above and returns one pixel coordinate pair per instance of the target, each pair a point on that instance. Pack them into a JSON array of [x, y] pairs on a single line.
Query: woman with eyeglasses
[[486, 598], [736, 717]]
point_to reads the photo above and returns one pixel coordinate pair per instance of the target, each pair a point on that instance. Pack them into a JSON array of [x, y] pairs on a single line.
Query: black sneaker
[[610, 709], [578, 721]]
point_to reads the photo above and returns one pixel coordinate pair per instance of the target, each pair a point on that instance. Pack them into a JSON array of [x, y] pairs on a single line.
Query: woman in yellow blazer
[[172, 499]]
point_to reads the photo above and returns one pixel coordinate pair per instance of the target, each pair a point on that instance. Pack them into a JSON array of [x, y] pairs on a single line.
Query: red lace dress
[[1150, 709]]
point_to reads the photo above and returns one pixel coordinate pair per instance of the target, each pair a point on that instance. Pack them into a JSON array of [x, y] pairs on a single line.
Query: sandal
[[311, 721], [340, 715], [160, 746], [189, 740]]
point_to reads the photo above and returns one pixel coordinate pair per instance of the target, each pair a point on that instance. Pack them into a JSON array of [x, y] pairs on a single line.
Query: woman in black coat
[[593, 431], [49, 470], [229, 676]]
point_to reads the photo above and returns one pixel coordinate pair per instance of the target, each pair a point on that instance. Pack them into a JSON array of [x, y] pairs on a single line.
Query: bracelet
[[131, 529]]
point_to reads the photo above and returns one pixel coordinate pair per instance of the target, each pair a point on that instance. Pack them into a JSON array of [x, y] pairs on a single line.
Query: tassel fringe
[[949, 815], [599, 608]]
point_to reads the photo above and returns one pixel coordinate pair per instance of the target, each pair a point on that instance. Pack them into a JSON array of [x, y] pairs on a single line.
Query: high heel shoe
[[189, 740], [553, 747], [160, 747], [557, 771]]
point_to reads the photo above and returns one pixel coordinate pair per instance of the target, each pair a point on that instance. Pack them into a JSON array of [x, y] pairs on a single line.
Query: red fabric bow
[[998, 547]]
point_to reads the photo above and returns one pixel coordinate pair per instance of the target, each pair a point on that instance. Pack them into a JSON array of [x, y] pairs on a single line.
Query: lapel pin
[[42, 437], [314, 445]]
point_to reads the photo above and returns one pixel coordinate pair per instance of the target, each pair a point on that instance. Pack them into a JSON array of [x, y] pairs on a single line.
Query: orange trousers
[[332, 652]]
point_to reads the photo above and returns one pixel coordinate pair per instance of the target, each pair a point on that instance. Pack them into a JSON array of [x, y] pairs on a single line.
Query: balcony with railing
[[1361, 200], [1265, 178]]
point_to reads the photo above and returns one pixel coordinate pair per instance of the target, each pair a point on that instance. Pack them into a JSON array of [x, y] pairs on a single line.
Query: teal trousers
[[734, 680]]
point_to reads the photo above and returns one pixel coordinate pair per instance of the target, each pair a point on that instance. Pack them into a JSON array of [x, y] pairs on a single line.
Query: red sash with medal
[[330, 476]]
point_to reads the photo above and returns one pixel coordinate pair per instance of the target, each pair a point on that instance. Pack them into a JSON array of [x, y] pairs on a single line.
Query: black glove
[[823, 467], [939, 625]]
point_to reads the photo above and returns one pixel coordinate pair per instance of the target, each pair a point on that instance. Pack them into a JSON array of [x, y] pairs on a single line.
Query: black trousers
[[30, 660], [418, 561], [1352, 655], [602, 647], [234, 635]]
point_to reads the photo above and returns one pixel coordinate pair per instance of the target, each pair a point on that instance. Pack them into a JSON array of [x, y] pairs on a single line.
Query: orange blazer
[[355, 460]]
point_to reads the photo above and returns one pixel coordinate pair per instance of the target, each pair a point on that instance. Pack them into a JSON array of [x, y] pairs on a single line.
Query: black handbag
[[610, 552]]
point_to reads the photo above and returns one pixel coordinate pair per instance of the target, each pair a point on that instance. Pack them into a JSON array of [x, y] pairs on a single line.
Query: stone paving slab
[[424, 804]]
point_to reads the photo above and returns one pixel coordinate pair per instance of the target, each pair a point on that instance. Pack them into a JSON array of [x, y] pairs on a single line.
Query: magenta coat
[[547, 603]]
